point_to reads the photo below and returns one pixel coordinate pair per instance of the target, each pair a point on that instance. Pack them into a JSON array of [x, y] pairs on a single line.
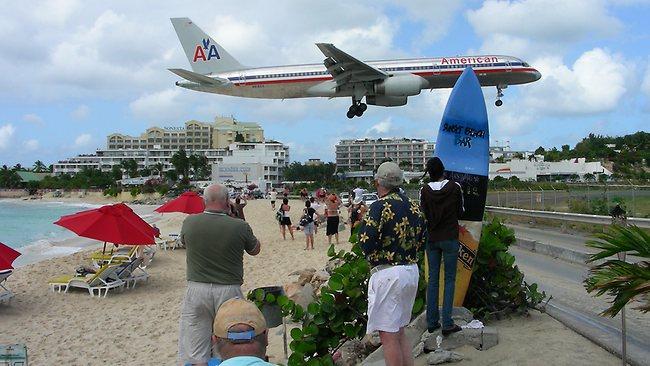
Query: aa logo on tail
[[199, 51]]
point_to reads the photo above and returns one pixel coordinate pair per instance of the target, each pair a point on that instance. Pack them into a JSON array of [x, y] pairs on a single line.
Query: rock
[[331, 264], [418, 350], [442, 356], [471, 337], [371, 341], [461, 313], [305, 277], [321, 276], [490, 338], [351, 353], [301, 295]]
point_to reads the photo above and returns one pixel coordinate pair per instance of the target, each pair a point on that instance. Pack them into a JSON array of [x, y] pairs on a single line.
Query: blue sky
[[74, 72]]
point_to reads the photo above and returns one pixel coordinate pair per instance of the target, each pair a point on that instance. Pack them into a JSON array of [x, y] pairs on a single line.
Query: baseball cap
[[390, 173], [238, 311]]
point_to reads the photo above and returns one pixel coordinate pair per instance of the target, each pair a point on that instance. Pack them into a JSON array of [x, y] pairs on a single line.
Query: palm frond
[[617, 239]]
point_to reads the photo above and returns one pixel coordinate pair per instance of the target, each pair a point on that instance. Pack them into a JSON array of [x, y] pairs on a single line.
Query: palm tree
[[619, 279], [39, 166], [159, 168]]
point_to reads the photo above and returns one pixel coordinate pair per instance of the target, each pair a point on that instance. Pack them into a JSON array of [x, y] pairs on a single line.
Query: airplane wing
[[347, 69], [199, 78]]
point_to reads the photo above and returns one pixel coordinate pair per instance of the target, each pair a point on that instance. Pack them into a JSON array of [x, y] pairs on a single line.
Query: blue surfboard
[[463, 145]]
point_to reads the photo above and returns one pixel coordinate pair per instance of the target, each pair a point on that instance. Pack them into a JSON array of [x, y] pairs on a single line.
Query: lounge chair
[[122, 254], [102, 280], [132, 272], [171, 241], [5, 294]]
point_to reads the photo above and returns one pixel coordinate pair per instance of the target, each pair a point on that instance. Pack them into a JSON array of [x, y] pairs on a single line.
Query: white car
[[369, 198], [345, 198]]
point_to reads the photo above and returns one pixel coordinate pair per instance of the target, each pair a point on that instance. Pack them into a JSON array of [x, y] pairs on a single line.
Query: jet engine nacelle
[[401, 85], [385, 101]]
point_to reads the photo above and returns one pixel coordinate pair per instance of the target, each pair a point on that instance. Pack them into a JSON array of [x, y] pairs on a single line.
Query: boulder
[[321, 276], [301, 295], [371, 341], [351, 353], [333, 263], [442, 356], [489, 338], [418, 350]]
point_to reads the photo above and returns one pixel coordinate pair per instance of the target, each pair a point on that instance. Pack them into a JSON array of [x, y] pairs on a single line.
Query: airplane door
[[436, 69], [508, 66], [242, 79]]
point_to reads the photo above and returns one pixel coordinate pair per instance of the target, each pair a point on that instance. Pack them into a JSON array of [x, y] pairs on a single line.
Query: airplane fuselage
[[313, 80]]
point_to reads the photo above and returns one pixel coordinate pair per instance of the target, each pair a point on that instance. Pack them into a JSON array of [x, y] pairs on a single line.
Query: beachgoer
[[442, 204], [240, 203], [215, 245], [356, 212], [273, 196], [358, 192], [391, 236], [332, 211], [156, 231], [309, 226], [240, 334], [303, 194], [285, 221], [319, 213]]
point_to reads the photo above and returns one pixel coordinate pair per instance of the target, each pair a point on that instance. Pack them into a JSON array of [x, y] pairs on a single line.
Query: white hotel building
[[368, 154]]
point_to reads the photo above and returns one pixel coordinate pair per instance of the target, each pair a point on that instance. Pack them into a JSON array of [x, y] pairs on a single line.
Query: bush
[[162, 189], [135, 191], [112, 191], [497, 286]]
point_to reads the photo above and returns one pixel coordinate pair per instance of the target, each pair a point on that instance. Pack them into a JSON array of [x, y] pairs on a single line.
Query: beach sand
[[140, 326]]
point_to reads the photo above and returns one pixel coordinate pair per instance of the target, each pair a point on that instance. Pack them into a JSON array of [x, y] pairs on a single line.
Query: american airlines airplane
[[386, 83]]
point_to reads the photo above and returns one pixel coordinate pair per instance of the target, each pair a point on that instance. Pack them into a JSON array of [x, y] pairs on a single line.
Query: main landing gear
[[356, 109], [500, 88]]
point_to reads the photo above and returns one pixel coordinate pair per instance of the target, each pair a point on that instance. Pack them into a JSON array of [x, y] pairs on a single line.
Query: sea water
[[28, 226]]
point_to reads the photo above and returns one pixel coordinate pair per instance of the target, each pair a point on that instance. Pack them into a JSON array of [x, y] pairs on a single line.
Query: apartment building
[[368, 154]]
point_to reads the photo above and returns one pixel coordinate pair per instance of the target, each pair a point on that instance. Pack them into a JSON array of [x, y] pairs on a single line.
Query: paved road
[[563, 281]]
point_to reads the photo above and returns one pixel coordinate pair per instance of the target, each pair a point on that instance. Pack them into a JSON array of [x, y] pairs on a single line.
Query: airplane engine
[[385, 101], [401, 85]]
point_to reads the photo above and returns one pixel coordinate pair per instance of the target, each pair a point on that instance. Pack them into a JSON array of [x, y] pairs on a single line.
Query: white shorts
[[391, 294]]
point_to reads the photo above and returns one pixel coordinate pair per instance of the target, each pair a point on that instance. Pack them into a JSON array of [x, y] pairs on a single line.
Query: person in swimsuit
[[332, 211], [285, 222]]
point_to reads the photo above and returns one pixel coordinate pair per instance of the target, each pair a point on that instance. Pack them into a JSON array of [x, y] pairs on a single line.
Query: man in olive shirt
[[215, 245]]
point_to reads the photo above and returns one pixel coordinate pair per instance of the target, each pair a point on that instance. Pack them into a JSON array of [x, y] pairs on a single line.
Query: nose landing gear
[[356, 109], [500, 88]]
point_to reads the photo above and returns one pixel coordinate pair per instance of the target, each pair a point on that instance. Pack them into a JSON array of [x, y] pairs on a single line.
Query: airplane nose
[[536, 75]]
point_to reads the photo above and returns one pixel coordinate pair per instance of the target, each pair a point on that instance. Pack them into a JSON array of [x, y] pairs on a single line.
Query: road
[[563, 281]]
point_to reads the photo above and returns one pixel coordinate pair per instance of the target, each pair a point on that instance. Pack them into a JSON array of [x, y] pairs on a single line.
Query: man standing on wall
[[442, 203], [391, 236]]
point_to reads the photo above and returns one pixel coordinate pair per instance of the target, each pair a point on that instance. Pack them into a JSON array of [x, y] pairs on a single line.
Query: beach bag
[[278, 215]]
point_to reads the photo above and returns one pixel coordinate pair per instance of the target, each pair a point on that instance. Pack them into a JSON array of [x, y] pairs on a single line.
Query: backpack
[[278, 215]]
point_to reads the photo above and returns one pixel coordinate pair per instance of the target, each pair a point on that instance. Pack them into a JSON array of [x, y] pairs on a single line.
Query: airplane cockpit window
[[525, 64]]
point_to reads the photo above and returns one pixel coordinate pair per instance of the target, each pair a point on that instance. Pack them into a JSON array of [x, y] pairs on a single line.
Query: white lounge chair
[[5, 294], [171, 241], [132, 272], [103, 280]]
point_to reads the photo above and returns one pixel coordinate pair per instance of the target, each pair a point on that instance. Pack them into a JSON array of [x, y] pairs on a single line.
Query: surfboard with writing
[[463, 147]]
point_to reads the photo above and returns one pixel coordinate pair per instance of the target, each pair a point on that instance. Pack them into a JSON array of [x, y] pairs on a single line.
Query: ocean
[[27, 226]]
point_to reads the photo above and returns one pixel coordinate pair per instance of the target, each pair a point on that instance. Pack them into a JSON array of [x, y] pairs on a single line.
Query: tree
[[9, 178], [171, 175], [116, 172], [181, 163], [239, 137], [405, 165], [158, 167], [131, 167], [540, 151], [18, 167], [39, 167], [622, 281], [199, 164], [145, 172], [589, 178]]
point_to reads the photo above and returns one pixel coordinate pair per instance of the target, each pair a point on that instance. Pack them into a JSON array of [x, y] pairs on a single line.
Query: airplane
[[386, 83]]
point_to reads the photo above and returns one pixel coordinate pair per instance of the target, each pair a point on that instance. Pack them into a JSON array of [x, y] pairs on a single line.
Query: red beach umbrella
[[111, 223], [7, 257], [188, 202]]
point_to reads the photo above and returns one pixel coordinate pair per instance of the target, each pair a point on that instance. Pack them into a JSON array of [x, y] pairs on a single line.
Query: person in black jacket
[[442, 202]]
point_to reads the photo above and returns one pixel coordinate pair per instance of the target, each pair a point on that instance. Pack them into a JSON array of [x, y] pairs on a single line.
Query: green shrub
[[162, 189], [135, 191], [112, 191]]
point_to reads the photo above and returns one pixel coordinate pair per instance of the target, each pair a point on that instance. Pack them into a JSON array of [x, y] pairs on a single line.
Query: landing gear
[[356, 109], [500, 88]]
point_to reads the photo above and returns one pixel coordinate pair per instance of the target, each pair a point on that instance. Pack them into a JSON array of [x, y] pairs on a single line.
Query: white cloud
[[434, 16], [165, 104], [83, 140], [81, 112], [6, 133], [382, 127], [645, 86], [33, 118], [31, 145], [595, 83], [545, 20]]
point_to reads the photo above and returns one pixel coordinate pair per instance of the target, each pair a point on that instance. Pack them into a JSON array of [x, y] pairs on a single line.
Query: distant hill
[[628, 156]]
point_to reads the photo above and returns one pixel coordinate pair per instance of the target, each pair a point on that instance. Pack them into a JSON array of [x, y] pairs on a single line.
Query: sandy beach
[[140, 326]]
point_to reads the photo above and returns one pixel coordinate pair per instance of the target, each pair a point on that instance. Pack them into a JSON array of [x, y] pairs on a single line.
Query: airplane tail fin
[[204, 54]]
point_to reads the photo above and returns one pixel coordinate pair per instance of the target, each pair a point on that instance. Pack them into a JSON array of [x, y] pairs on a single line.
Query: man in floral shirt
[[391, 235]]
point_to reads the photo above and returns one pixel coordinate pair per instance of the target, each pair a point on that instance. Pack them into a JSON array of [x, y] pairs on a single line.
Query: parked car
[[369, 198]]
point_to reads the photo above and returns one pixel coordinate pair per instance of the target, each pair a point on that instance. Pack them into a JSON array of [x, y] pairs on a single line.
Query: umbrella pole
[[104, 250]]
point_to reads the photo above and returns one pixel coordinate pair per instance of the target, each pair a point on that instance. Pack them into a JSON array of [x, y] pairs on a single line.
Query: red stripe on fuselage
[[423, 74]]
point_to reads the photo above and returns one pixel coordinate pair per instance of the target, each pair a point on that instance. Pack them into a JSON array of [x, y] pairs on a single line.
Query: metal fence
[[597, 199]]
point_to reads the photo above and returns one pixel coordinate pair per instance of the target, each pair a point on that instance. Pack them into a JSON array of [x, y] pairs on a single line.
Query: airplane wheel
[[359, 112], [498, 103], [363, 107], [351, 114]]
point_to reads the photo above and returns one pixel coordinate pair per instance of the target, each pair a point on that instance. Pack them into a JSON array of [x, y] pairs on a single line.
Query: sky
[[74, 72]]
